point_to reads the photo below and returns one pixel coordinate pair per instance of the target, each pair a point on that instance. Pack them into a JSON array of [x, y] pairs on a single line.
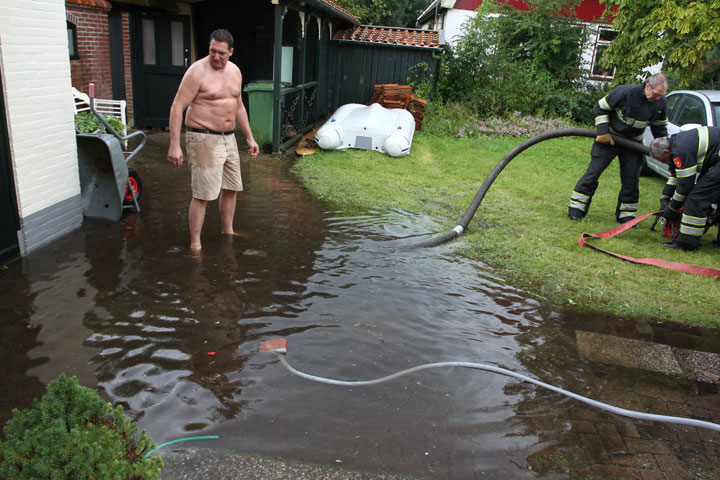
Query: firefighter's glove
[[670, 214], [664, 203], [605, 138]]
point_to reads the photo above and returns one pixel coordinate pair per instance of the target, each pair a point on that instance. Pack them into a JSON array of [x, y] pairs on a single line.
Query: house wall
[[93, 43], [35, 65], [455, 24]]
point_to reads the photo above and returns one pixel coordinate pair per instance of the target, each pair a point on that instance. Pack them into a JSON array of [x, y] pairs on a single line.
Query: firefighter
[[690, 154], [626, 111]]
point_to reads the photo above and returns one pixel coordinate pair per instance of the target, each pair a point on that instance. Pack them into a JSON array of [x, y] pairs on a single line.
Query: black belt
[[212, 132]]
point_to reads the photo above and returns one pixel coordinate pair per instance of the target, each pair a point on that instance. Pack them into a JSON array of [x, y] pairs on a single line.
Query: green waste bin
[[260, 111]]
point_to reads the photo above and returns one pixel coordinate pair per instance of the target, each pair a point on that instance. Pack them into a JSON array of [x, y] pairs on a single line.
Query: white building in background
[[450, 17]]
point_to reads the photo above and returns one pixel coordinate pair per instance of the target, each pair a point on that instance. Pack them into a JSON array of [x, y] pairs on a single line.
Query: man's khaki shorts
[[214, 164]]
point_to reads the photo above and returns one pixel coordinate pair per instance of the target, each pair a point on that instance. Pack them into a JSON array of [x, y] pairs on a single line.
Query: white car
[[686, 109]]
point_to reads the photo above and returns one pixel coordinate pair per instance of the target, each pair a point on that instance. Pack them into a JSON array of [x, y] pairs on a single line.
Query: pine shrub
[[72, 433]]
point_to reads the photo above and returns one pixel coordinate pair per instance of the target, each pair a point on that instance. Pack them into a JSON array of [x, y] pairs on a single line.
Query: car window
[[716, 114], [672, 101], [691, 110]]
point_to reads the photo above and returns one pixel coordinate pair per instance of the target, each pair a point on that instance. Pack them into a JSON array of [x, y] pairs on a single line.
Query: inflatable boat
[[373, 127]]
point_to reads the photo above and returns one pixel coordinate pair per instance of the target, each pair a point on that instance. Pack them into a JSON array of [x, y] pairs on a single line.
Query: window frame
[[600, 45], [72, 40]]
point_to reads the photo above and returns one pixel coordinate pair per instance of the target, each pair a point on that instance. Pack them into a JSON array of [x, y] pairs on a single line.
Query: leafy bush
[[86, 122], [72, 433], [509, 60]]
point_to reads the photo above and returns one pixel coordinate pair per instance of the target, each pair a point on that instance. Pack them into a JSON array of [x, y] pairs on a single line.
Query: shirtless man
[[211, 92]]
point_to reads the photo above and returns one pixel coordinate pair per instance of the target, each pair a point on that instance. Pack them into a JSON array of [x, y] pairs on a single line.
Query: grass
[[521, 227]]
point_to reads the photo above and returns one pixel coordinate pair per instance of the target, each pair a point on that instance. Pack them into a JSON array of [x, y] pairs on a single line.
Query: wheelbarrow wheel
[[136, 184]]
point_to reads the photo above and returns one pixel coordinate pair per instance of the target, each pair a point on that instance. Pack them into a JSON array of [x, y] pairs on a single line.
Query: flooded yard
[[174, 338]]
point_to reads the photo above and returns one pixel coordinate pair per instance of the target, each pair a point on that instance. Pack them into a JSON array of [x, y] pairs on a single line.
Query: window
[[691, 110], [72, 41], [439, 22], [716, 113], [603, 40]]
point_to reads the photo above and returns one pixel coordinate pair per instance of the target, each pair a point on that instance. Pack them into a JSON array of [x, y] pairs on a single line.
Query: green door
[[161, 54], [9, 223]]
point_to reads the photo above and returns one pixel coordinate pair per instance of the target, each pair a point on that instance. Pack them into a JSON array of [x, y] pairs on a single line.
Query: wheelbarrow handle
[[137, 149]]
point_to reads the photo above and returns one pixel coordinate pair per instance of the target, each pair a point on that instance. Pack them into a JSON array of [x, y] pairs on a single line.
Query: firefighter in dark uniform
[[626, 111], [689, 154]]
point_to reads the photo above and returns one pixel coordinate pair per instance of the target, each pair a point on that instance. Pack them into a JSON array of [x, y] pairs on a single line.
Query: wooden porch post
[[277, 68]]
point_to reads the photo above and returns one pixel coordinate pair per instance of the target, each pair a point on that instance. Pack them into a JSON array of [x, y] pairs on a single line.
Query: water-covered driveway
[[174, 338]]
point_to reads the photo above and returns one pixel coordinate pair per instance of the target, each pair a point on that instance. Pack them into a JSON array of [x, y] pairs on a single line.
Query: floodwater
[[174, 338]]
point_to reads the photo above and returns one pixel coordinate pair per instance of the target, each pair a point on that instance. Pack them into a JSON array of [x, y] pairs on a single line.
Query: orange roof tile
[[391, 36]]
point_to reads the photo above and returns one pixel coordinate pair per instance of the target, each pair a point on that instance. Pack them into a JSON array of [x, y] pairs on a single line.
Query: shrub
[[457, 120], [509, 60], [72, 433], [87, 122]]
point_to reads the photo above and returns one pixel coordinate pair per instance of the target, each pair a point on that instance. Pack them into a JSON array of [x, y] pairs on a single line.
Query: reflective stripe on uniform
[[602, 119], [686, 172], [672, 181], [627, 210], [690, 225], [579, 201], [631, 122], [703, 140], [678, 198], [603, 104]]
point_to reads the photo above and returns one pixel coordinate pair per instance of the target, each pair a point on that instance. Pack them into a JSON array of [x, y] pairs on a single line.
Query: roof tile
[[391, 36]]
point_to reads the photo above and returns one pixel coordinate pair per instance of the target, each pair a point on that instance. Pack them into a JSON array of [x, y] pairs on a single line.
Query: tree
[[390, 13], [680, 34], [369, 12], [509, 60]]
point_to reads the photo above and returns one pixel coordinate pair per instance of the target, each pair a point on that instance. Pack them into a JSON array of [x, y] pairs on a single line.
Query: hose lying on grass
[[564, 132]]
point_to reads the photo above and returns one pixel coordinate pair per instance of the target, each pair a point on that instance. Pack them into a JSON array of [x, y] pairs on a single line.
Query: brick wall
[[127, 67], [93, 43], [35, 66]]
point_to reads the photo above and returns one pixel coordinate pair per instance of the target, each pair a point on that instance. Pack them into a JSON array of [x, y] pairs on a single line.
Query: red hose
[[680, 267]]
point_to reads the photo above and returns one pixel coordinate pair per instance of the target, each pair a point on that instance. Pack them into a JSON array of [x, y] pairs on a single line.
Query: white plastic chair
[[112, 108]]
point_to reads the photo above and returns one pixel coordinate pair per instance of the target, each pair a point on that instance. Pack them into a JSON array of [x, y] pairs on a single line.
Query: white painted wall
[[455, 24], [35, 67], [455, 20]]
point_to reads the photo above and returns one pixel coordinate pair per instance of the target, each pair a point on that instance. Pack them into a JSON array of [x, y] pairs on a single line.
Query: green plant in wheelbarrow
[[86, 122], [72, 433]]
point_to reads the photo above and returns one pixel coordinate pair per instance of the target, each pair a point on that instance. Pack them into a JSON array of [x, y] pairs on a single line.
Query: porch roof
[[335, 10], [408, 37]]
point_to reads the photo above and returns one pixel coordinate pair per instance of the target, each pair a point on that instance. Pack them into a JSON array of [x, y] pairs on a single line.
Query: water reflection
[[174, 338]]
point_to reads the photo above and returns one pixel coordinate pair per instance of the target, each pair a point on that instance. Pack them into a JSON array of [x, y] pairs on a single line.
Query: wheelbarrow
[[107, 185]]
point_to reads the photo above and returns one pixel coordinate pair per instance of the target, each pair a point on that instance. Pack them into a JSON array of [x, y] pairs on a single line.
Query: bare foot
[[195, 251]]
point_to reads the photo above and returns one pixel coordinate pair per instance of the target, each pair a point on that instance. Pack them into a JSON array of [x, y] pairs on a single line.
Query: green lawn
[[521, 227]]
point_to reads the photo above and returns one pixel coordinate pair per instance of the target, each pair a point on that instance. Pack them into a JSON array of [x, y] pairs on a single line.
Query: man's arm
[[685, 170], [241, 118], [602, 110], [189, 87], [658, 127]]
